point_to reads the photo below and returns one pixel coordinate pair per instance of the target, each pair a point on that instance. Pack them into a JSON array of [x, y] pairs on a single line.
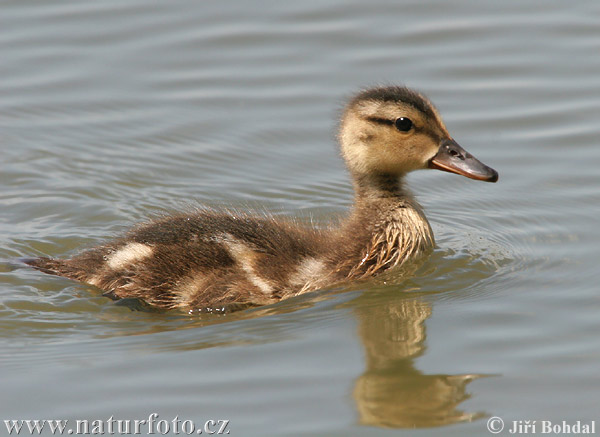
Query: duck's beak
[[453, 158]]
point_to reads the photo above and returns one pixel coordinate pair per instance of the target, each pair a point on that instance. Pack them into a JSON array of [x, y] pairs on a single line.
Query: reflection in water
[[392, 392]]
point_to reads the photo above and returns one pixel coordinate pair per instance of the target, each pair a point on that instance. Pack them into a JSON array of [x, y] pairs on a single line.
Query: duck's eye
[[403, 124]]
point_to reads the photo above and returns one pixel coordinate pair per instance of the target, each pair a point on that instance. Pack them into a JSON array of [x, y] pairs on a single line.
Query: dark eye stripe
[[381, 120]]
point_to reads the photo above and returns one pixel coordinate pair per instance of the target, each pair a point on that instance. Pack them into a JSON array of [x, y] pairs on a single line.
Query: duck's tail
[[50, 266]]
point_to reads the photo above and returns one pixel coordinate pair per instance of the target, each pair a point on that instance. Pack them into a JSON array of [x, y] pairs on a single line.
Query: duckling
[[211, 260]]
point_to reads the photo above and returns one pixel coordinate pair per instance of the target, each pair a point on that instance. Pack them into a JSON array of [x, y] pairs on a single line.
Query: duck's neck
[[379, 186], [382, 198], [386, 228]]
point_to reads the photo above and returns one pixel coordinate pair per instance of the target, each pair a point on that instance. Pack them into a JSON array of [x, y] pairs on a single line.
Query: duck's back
[[203, 260]]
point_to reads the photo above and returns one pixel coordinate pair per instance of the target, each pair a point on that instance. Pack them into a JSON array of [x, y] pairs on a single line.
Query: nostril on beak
[[456, 154]]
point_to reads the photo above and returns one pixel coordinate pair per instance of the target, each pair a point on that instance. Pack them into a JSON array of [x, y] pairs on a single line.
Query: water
[[112, 112]]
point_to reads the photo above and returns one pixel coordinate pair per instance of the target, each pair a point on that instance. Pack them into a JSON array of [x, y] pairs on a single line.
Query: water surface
[[112, 112]]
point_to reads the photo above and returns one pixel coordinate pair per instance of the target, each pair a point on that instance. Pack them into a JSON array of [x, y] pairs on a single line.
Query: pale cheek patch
[[129, 254]]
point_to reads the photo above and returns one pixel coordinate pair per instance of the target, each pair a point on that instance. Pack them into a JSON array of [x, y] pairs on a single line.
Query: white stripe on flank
[[308, 274], [129, 254], [244, 256]]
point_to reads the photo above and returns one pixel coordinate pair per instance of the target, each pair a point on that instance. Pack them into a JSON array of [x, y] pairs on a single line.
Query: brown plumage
[[212, 260]]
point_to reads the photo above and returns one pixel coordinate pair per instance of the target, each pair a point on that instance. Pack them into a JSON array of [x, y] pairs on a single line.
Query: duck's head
[[390, 131]]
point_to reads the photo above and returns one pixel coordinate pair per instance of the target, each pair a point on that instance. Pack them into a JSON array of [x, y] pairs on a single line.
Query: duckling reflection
[[391, 392]]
